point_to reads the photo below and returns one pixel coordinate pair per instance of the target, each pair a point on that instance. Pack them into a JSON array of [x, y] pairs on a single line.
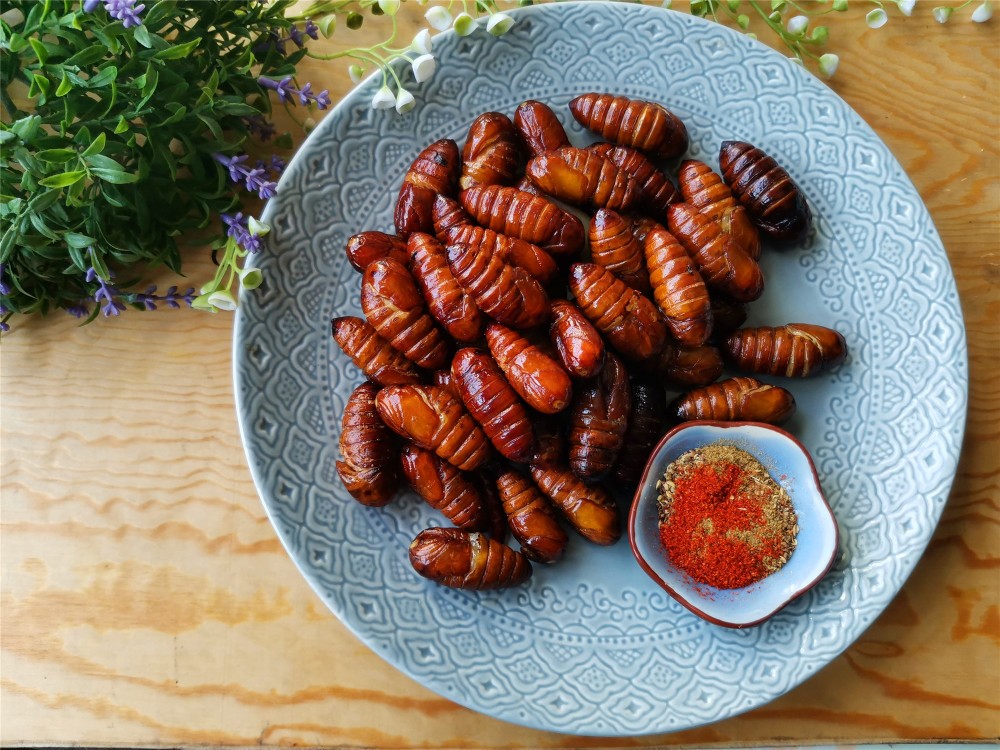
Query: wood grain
[[146, 599]]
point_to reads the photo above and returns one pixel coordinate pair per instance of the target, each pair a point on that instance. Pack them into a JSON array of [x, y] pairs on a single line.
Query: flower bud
[[942, 13], [389, 7], [876, 18], [309, 125], [422, 42], [355, 21], [404, 101], [820, 34], [438, 17], [743, 21], [423, 67], [666, 3], [355, 71], [797, 25], [250, 278], [465, 24], [828, 64], [840, 5], [499, 24], [328, 25], [906, 6], [983, 13], [201, 303], [383, 98]]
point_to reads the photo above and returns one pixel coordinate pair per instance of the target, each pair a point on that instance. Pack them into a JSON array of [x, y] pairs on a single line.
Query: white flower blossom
[[465, 24], [983, 13], [666, 3], [438, 17], [828, 64], [798, 24], [423, 67], [389, 7], [309, 125], [222, 300], [258, 228], [499, 24], [355, 71], [942, 13], [906, 6], [383, 98], [876, 18], [422, 42], [404, 101]]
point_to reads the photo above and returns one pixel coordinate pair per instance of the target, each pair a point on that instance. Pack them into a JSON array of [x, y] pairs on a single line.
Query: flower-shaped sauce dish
[[791, 467]]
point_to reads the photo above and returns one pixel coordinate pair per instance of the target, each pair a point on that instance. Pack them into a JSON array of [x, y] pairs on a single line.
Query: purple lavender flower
[[312, 30], [149, 298], [4, 326], [278, 164], [106, 295], [125, 11], [296, 36], [78, 311], [286, 89], [238, 230], [255, 179], [4, 288], [89, 6]]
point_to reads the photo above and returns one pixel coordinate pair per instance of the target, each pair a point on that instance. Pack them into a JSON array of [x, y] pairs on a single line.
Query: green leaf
[[75, 239], [104, 162], [82, 136], [327, 24], [56, 155], [65, 85], [7, 135], [152, 78], [39, 86], [96, 146], [179, 113], [62, 180], [79, 261], [40, 52], [17, 43], [235, 108], [106, 76], [88, 56], [26, 128], [142, 36], [42, 201], [38, 222], [121, 126], [113, 176], [159, 12], [178, 51]]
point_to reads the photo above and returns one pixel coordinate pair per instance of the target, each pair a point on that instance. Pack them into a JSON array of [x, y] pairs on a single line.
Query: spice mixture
[[723, 520]]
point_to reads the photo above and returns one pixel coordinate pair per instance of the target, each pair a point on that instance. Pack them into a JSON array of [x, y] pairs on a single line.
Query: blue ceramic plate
[[592, 646]]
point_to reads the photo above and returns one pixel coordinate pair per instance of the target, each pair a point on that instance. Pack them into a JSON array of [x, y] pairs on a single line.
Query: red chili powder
[[722, 523]]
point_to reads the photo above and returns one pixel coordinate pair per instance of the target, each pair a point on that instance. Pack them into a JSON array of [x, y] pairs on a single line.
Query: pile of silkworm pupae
[[507, 370]]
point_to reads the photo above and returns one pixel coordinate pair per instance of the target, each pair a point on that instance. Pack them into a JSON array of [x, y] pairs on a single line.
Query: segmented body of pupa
[[528, 217], [613, 246], [435, 170], [539, 127], [444, 488], [395, 308], [796, 350], [685, 366], [491, 155], [629, 122], [502, 291], [736, 399], [539, 379], [365, 247], [657, 191], [629, 321], [493, 403], [721, 262], [598, 420], [370, 465], [589, 509], [775, 203], [583, 178], [375, 356], [646, 425], [579, 345], [524, 255], [705, 190], [435, 420], [447, 301], [531, 518], [467, 560], [678, 288]]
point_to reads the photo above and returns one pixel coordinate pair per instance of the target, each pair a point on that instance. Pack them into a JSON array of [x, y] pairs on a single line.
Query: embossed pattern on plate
[[591, 645]]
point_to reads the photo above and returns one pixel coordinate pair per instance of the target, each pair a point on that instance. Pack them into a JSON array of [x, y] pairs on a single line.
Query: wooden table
[[147, 600]]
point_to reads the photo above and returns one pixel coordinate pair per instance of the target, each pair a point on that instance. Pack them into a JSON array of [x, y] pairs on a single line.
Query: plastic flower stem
[[291, 113]]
